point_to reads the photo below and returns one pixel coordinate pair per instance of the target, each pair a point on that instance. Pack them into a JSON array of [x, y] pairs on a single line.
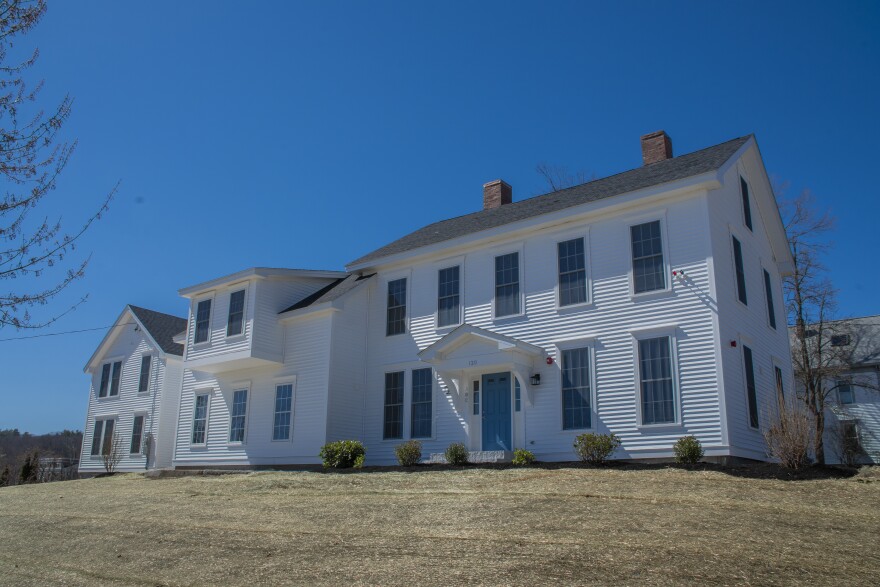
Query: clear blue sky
[[306, 134]]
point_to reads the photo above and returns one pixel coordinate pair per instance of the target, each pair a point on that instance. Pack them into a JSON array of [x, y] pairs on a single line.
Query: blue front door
[[496, 412]]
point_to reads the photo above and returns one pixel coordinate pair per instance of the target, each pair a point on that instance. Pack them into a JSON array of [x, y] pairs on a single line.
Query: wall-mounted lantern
[[535, 379]]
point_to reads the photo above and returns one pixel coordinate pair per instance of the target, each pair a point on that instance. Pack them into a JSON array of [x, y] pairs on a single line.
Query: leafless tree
[[559, 178], [112, 451], [34, 248]]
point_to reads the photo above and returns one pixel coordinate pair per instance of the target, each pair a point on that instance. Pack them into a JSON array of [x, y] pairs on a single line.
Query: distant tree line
[[36, 458]]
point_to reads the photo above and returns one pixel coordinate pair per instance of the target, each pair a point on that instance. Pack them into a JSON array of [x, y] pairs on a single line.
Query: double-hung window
[[422, 392], [200, 419], [576, 389], [656, 380], [393, 413], [144, 381], [235, 320], [507, 298], [768, 289], [649, 269], [239, 415], [396, 315], [283, 411], [448, 296], [203, 321], [780, 387], [751, 390], [572, 272], [747, 208], [114, 379], [102, 436], [845, 393], [105, 380], [137, 434], [740, 271]]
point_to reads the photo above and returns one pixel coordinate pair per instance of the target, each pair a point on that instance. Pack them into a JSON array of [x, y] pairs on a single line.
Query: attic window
[[840, 340]]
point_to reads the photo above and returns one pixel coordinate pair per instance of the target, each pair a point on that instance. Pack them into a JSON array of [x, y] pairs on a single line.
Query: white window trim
[[153, 366], [195, 315], [434, 387], [234, 288], [134, 415], [732, 233], [277, 382], [437, 267], [109, 361], [745, 341], [656, 332], [767, 304], [208, 393], [405, 274], [500, 252], [742, 210], [667, 261], [588, 343], [103, 417], [405, 419], [583, 233], [242, 385]]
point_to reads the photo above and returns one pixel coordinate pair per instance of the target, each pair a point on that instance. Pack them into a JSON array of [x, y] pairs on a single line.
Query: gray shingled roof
[[666, 171], [162, 327], [330, 292], [863, 349]]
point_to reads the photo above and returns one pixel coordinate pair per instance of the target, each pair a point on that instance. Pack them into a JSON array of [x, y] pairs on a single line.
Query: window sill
[[512, 318], [446, 329], [234, 337], [660, 427], [574, 308], [198, 345], [651, 295]]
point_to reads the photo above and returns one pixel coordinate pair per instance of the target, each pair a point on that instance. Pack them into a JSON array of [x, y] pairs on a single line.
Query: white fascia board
[[257, 273], [612, 205], [313, 311], [115, 330]]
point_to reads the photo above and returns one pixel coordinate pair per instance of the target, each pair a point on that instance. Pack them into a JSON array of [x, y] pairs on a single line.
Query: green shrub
[[457, 454], [523, 457], [409, 453], [595, 448], [343, 454], [688, 450]]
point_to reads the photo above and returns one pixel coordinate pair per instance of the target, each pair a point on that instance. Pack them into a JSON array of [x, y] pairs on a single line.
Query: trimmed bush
[[688, 450], [343, 454], [409, 453], [523, 457], [595, 448], [457, 454]]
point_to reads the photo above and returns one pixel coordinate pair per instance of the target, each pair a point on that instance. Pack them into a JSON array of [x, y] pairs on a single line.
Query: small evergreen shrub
[[688, 450], [595, 448], [522, 457], [457, 454], [409, 453], [343, 454]]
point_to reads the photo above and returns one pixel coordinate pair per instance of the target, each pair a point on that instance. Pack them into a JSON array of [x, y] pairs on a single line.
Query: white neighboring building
[[647, 304], [135, 391]]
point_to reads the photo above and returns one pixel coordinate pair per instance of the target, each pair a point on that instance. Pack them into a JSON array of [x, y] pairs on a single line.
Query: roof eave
[[256, 273]]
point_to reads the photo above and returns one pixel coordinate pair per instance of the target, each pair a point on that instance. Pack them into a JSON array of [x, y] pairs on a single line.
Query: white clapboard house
[[647, 304]]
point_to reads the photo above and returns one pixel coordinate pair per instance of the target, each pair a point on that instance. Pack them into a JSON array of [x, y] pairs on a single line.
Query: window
[[507, 298], [845, 393], [235, 321], [144, 383], [476, 403], [137, 434], [747, 208], [740, 272], [393, 405], [422, 392], [840, 340], [517, 402], [448, 301], [102, 437], [239, 416], [572, 272], [283, 410], [751, 392], [771, 311], [203, 321], [849, 433], [105, 380], [576, 389], [396, 320], [655, 377], [114, 379], [649, 270], [200, 419], [780, 389]]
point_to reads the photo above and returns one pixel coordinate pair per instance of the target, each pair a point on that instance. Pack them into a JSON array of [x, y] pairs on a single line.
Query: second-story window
[[572, 272], [768, 289], [203, 321], [740, 271], [105, 380], [235, 322], [396, 317], [507, 298], [845, 393], [448, 299], [747, 208], [649, 270], [144, 382]]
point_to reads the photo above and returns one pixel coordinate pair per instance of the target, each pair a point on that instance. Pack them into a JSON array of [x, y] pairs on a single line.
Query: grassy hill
[[621, 525]]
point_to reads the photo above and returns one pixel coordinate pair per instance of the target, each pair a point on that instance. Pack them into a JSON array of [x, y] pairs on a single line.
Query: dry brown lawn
[[624, 525]]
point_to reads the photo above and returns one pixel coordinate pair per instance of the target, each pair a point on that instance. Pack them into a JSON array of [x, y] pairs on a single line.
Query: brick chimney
[[656, 147], [496, 193]]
